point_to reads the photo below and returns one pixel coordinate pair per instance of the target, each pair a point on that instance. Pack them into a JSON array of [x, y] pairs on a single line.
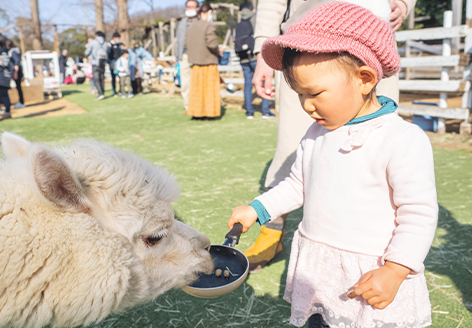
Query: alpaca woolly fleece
[[85, 231]]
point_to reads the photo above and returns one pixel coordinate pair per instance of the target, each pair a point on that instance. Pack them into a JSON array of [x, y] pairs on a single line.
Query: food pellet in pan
[[218, 272], [226, 273]]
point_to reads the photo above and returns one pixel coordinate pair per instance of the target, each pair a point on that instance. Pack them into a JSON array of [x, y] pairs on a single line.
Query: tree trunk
[[123, 21], [37, 39], [99, 23]]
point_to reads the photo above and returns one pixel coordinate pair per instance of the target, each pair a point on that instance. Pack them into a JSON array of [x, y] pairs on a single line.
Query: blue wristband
[[262, 215]]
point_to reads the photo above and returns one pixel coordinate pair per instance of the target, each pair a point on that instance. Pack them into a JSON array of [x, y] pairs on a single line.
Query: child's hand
[[379, 287], [246, 215]]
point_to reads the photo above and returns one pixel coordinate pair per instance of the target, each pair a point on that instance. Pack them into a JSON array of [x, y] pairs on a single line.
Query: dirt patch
[[48, 108]]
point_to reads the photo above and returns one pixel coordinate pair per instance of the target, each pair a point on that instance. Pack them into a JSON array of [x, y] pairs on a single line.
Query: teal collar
[[388, 106]]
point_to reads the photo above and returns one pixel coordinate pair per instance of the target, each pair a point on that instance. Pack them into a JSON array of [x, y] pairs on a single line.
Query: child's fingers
[[361, 287], [374, 301], [382, 305]]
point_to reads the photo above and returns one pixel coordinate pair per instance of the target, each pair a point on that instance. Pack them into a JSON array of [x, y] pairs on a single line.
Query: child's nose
[[308, 106]]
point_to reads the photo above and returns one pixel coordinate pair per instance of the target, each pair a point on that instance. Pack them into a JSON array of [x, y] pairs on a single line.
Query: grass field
[[221, 164]]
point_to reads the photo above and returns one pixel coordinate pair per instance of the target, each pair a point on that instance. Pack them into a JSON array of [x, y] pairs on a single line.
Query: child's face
[[328, 92], [125, 55]]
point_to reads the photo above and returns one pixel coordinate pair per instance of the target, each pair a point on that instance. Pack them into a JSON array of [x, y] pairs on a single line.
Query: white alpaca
[[86, 231]]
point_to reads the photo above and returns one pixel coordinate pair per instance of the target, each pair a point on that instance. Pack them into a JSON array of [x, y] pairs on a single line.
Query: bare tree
[[37, 39], [123, 21], [99, 22]]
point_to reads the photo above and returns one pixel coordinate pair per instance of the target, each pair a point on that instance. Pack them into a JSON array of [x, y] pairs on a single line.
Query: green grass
[[221, 164]]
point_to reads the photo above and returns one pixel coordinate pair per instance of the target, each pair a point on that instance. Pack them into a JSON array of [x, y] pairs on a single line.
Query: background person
[[122, 68], [114, 52], [96, 51], [203, 51], [5, 77], [17, 70], [245, 40], [63, 64], [274, 16], [191, 7], [136, 56]]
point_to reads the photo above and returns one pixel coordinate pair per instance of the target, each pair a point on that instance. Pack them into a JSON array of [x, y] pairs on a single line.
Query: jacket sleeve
[[180, 40], [270, 14], [289, 194], [410, 174], [16, 58], [88, 49], [144, 54], [211, 39]]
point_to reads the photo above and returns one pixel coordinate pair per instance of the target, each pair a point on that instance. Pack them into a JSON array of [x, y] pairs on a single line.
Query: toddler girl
[[364, 176]]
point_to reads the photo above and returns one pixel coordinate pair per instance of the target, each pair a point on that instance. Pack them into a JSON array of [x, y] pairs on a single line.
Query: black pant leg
[[5, 98], [18, 86]]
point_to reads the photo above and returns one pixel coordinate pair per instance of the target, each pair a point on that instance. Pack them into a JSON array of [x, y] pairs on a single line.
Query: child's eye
[[316, 94]]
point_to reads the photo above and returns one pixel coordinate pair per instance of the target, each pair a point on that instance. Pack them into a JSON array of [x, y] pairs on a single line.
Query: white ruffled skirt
[[320, 275]]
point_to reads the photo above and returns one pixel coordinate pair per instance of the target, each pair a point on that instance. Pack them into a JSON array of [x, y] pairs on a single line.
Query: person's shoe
[[5, 115], [250, 117], [94, 92], [268, 115], [268, 244], [19, 105], [130, 95], [123, 96], [100, 97], [115, 95]]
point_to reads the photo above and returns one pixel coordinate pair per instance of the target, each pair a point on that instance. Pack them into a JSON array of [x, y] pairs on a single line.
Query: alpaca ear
[[14, 146], [56, 182]]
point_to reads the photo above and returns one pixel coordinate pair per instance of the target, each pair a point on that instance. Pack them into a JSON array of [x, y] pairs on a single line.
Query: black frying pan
[[225, 257]]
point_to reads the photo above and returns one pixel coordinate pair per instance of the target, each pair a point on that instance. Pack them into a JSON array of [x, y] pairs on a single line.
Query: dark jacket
[[5, 68], [114, 51], [247, 14], [15, 55], [62, 63]]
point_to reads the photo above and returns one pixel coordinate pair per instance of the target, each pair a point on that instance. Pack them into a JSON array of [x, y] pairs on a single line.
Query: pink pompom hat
[[339, 27]]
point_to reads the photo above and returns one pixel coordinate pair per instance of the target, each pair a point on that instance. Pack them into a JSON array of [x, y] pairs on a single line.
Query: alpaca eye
[[152, 240]]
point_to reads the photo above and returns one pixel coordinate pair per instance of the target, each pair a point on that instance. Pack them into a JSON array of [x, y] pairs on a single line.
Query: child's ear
[[367, 79]]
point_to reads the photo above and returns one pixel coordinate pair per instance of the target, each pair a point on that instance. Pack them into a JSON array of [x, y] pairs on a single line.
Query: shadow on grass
[[41, 113], [241, 308], [451, 255], [69, 92]]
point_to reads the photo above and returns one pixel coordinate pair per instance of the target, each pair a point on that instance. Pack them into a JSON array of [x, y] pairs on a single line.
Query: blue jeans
[[248, 71]]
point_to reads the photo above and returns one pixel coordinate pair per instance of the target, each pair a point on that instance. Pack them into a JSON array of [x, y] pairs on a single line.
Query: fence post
[[447, 22], [445, 52], [466, 127]]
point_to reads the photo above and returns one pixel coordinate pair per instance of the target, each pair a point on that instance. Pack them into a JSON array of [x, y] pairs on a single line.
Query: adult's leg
[[293, 124], [18, 86], [102, 79], [134, 84], [113, 78], [248, 73], [5, 98], [96, 79], [185, 70], [265, 103], [389, 88], [139, 83]]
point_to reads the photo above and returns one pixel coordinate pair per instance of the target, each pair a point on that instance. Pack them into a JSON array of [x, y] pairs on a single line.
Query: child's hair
[[343, 60], [124, 51]]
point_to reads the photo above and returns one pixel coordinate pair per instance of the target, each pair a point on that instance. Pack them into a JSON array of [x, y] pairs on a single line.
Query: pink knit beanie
[[337, 27]]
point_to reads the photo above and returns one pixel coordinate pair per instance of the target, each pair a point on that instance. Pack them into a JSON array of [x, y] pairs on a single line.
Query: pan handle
[[232, 237]]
